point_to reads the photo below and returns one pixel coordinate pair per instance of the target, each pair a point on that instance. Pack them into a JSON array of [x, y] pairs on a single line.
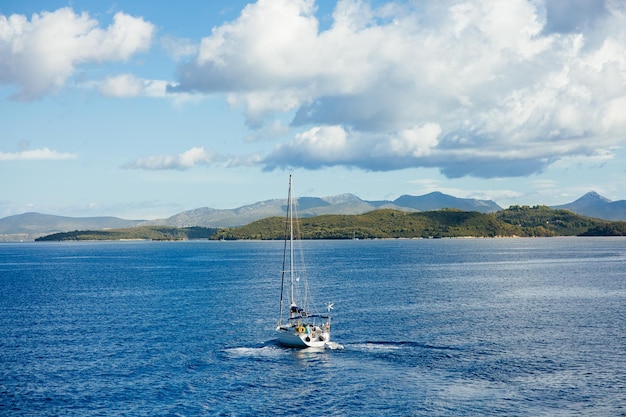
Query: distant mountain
[[593, 204], [307, 207], [32, 225], [29, 226], [313, 206], [437, 200]]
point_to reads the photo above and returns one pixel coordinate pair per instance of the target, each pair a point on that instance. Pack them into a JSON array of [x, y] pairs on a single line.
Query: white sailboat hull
[[290, 337]]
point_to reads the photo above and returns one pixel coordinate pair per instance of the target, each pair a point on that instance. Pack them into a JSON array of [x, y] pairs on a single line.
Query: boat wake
[[265, 351], [379, 344], [273, 349], [333, 346]]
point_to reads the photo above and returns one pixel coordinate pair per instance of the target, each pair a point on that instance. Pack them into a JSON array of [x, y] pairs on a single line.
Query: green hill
[[544, 221], [379, 224], [515, 221]]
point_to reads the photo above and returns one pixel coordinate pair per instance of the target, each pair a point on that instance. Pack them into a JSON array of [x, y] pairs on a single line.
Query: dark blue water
[[430, 327]]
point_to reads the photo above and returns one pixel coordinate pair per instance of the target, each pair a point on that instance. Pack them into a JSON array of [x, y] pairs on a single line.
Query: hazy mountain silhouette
[[29, 226], [593, 204]]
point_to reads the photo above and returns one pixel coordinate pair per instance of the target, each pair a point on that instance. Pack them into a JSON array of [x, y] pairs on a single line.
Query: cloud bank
[[39, 55], [482, 88], [471, 87]]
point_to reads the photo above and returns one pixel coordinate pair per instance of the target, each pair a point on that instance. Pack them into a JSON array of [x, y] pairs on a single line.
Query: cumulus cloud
[[43, 154], [480, 88], [416, 142], [128, 85], [39, 55], [196, 156], [334, 145], [320, 146]]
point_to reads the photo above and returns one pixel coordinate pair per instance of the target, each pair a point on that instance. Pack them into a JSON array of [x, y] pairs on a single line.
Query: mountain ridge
[[315, 206], [28, 226], [593, 204]]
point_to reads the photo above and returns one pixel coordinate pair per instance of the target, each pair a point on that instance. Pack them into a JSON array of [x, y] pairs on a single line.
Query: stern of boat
[[304, 335]]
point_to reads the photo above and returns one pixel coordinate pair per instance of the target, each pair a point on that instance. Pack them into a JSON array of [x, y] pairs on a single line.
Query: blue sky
[[144, 109]]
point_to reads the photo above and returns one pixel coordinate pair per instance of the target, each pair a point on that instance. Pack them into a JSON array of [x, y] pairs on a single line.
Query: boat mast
[[290, 215]]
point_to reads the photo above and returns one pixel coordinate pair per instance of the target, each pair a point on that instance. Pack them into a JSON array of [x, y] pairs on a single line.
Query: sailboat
[[297, 326]]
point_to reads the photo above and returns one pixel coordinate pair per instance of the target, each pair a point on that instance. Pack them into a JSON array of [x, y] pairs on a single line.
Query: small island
[[134, 233]]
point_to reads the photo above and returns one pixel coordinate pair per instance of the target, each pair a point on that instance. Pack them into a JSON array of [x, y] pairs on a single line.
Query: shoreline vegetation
[[516, 221]]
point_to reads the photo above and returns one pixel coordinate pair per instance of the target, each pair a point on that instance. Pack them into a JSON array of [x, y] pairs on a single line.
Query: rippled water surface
[[429, 327]]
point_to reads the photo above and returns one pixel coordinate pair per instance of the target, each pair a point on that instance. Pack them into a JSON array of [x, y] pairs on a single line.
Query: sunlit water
[[429, 327]]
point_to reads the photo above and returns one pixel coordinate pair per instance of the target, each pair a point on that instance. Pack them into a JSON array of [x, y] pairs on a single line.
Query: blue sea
[[501, 327]]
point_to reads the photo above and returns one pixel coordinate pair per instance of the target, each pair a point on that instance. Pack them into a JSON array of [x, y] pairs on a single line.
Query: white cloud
[[510, 86], [127, 85], [43, 154], [130, 86], [183, 161], [38, 56], [333, 145], [319, 146], [417, 142]]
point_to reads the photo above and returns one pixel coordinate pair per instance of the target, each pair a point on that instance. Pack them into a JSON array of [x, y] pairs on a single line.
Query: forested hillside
[[516, 221], [379, 224]]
